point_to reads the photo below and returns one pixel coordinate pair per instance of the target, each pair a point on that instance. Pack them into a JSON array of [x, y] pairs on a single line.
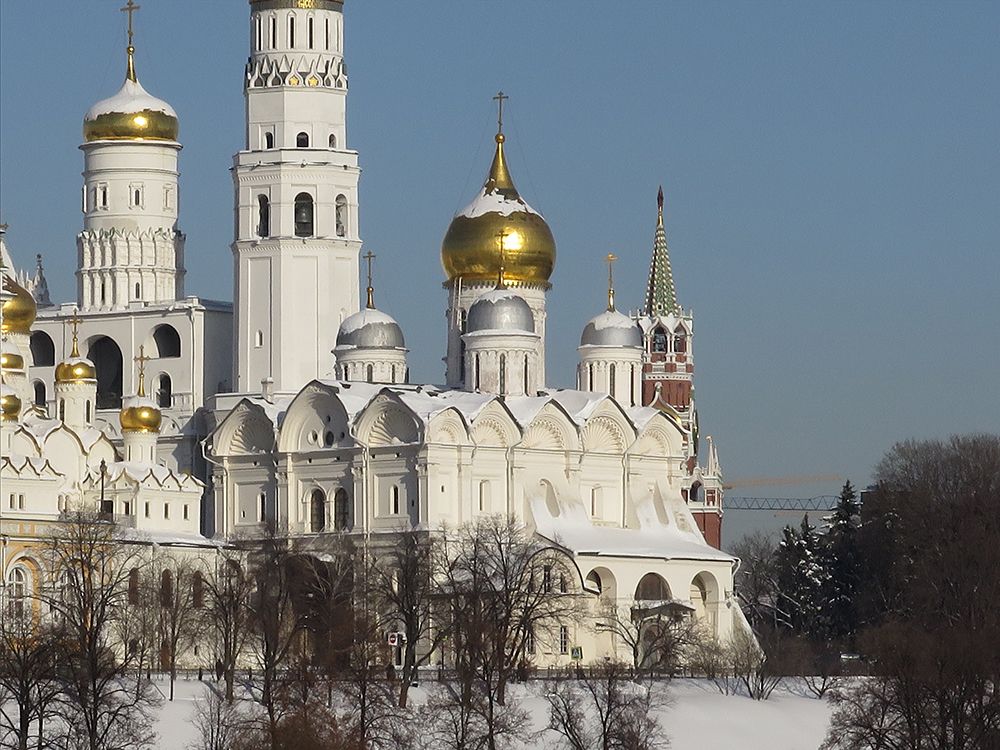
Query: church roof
[[661, 297]]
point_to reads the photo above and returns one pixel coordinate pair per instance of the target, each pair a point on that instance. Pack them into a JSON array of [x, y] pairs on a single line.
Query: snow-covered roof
[[131, 97], [495, 202]]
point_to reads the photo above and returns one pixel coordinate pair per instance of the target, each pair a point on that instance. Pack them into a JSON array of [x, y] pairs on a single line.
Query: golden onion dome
[[19, 311], [471, 247], [11, 359], [76, 369], [139, 413], [10, 404], [131, 115]]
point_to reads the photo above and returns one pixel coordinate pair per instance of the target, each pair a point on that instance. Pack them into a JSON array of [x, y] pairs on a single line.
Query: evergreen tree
[[801, 579], [842, 564]]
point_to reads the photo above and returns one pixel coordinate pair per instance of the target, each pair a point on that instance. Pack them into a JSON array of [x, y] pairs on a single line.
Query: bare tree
[[219, 723], [228, 589], [406, 591], [28, 685], [181, 597], [608, 710], [657, 637], [107, 699], [757, 579]]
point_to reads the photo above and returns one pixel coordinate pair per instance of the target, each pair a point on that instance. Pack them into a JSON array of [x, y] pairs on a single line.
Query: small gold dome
[[140, 414], [10, 358], [20, 310], [131, 115], [10, 404], [76, 370], [471, 247]]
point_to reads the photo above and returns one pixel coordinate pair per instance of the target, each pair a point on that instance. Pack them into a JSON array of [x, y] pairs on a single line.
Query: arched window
[[291, 30], [341, 216], [197, 590], [107, 359], [258, 339], [317, 511], [595, 502], [138, 290], [263, 215], [594, 581], [341, 510], [18, 589], [526, 380], [370, 374], [309, 24], [269, 140], [302, 140], [631, 385], [43, 351], [166, 588], [484, 496], [332, 140], [164, 392], [590, 376], [695, 493], [258, 36], [659, 340], [167, 341], [89, 416], [680, 340], [328, 33], [652, 587], [39, 388], [303, 215], [611, 379], [477, 371], [274, 32], [503, 374], [394, 505]]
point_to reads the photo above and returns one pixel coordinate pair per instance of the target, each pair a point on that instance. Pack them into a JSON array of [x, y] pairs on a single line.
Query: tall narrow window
[[370, 374], [269, 140], [258, 40], [503, 374], [165, 392], [258, 339], [484, 496], [166, 588], [89, 412], [62, 410], [659, 340], [40, 396], [274, 32], [332, 140], [563, 639], [526, 376], [328, 33], [262, 510], [104, 196], [291, 31], [590, 376], [317, 511], [341, 510], [303, 215], [341, 216], [263, 216], [631, 385], [138, 290], [83, 199], [302, 140], [395, 499], [310, 26], [477, 371], [611, 379]]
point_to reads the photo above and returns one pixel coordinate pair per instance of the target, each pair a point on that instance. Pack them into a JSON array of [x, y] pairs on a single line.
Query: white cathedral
[[292, 408]]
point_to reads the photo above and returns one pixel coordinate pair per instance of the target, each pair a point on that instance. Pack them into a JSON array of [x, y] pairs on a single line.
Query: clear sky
[[831, 170]]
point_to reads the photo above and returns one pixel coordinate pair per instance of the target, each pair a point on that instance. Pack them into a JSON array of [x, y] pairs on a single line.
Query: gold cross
[[130, 9], [370, 256], [75, 322], [610, 258], [141, 360], [499, 98]]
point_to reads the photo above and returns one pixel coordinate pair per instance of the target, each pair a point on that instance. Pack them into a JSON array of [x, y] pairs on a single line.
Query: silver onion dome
[[370, 329], [611, 328], [500, 310]]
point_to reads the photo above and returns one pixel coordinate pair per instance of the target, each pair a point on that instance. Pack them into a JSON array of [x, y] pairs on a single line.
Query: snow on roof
[[40, 467], [495, 202], [169, 538], [134, 402], [131, 97], [364, 317], [612, 319]]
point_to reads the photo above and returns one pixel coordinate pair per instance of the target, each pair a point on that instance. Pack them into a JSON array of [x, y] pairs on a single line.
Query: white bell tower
[[296, 197]]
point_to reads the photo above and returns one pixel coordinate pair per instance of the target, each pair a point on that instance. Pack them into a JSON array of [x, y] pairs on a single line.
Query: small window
[[185, 512], [168, 198], [526, 378], [62, 410], [395, 499], [258, 339], [269, 139], [328, 33], [659, 340], [39, 388], [104, 196], [476, 369], [262, 510], [611, 379], [341, 510], [147, 510], [503, 374], [133, 586], [197, 590], [258, 35], [529, 640], [166, 588], [89, 409], [631, 386], [332, 140], [317, 511], [341, 216], [166, 510], [164, 392], [138, 290], [83, 199], [302, 140], [547, 578], [370, 374], [563, 639], [310, 30], [263, 216], [291, 31], [274, 32]]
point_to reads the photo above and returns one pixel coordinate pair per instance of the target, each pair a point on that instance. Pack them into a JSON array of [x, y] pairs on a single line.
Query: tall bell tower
[[296, 197]]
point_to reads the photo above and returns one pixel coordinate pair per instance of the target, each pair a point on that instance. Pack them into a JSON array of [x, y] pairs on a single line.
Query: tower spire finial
[[141, 360], [661, 297], [610, 258], [499, 99], [74, 323], [130, 8], [659, 207], [370, 256]]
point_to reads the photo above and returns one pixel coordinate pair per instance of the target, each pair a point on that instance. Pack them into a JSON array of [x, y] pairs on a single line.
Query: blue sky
[[831, 170]]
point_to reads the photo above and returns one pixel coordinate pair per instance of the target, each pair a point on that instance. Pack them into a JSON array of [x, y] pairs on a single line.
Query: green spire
[[661, 297]]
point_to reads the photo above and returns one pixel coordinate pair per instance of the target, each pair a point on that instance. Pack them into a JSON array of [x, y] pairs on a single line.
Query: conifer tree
[[842, 564], [801, 579]]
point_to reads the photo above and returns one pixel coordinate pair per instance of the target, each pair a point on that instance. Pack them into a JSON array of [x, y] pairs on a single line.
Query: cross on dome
[[499, 99], [370, 256], [610, 259], [74, 322], [130, 8], [141, 361]]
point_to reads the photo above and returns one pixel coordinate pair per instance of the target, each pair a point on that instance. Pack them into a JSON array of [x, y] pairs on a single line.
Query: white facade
[[296, 198]]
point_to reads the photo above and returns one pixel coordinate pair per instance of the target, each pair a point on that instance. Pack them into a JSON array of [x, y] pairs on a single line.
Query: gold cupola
[[132, 114], [10, 404], [11, 359], [140, 413], [472, 246], [76, 369], [19, 310]]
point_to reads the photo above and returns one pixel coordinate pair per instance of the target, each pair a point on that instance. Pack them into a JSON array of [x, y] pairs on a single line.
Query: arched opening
[[332, 141], [263, 216], [303, 215], [43, 351], [705, 598], [370, 374], [18, 581], [164, 392], [310, 28], [659, 340], [652, 588], [696, 494], [166, 588], [197, 590], [107, 359], [341, 216], [167, 341], [302, 140], [594, 581], [341, 510], [39, 398], [269, 140], [680, 340], [138, 290], [291, 31], [596, 506], [317, 511]]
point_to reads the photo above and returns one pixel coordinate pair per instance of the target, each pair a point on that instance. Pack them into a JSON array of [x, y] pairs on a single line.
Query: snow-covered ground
[[699, 718]]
